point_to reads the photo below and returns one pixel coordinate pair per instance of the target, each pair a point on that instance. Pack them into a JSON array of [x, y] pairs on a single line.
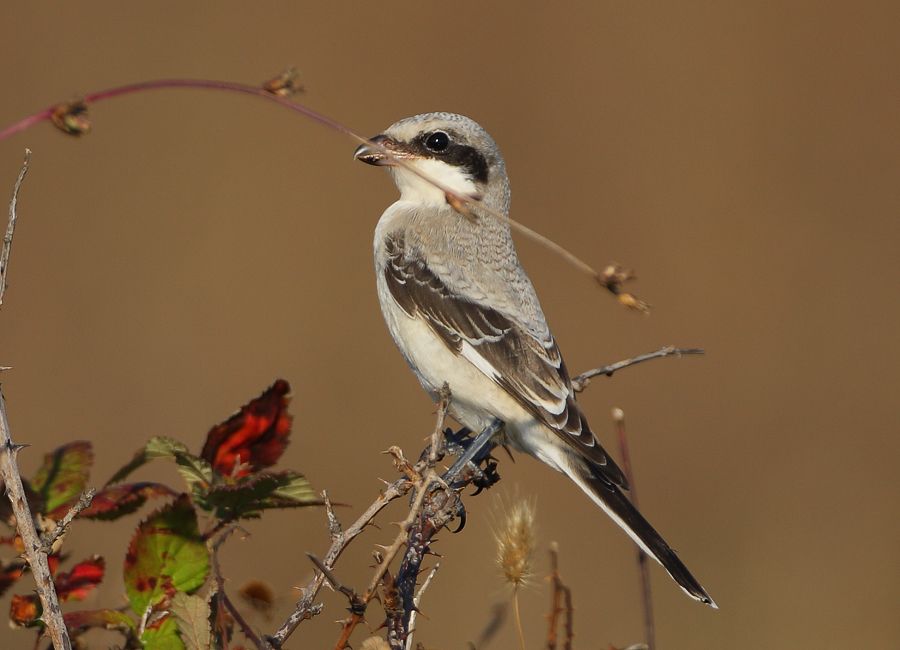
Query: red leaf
[[24, 610], [106, 618], [253, 438], [53, 561], [9, 574], [81, 580], [118, 500]]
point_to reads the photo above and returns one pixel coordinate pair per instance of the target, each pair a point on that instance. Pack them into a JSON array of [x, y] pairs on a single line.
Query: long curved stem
[[462, 203]]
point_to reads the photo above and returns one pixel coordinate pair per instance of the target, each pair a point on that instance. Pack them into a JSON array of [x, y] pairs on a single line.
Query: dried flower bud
[[633, 302], [72, 118], [285, 84]]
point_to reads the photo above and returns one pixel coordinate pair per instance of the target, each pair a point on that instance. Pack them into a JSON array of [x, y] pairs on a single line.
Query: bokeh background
[[744, 158]]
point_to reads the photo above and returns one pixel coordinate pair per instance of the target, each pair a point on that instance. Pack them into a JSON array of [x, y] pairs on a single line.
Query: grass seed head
[[515, 543]]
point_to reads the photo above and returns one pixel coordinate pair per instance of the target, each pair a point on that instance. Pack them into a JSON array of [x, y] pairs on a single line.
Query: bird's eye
[[437, 141]]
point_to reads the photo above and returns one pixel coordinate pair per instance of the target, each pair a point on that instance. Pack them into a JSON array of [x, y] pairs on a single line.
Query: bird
[[465, 315]]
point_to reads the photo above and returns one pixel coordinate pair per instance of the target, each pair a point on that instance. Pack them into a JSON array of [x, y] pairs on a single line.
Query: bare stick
[[416, 601], [84, 501], [334, 524], [581, 382], [646, 596], [353, 597], [11, 224], [560, 595], [34, 546]]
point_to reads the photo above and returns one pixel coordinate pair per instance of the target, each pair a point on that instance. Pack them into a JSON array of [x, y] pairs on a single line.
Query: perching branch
[[34, 546], [581, 382]]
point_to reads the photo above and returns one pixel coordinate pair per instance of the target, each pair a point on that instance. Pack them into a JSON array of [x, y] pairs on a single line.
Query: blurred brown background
[[744, 158]]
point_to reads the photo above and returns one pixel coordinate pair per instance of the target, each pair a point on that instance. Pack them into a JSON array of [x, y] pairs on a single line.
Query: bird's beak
[[373, 152]]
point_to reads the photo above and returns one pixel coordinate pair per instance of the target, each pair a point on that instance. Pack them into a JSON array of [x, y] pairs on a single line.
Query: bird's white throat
[[416, 189]]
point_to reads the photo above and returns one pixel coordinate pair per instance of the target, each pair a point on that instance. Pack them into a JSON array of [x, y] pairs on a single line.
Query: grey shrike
[[462, 311]]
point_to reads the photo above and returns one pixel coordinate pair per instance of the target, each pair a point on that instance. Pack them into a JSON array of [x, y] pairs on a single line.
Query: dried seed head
[[516, 541], [375, 643]]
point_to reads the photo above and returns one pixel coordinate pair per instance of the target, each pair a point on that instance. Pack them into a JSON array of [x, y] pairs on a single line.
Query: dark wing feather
[[529, 369]]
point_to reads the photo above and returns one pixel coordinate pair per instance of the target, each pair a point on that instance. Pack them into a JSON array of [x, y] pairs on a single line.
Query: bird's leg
[[477, 448]]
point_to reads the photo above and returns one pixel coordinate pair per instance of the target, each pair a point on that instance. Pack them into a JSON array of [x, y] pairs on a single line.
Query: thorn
[[14, 448]]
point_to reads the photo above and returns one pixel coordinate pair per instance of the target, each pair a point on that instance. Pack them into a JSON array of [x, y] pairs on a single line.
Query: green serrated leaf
[[297, 488], [192, 615], [248, 496], [196, 472], [162, 636], [63, 476], [165, 556]]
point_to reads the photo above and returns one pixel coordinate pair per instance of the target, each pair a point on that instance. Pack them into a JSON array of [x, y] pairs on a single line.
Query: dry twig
[[581, 382], [221, 598], [560, 601], [646, 596], [48, 539], [306, 608], [34, 546], [416, 601], [389, 553]]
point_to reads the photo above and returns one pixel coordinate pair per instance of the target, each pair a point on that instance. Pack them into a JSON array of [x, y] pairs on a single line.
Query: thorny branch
[[34, 546], [306, 607]]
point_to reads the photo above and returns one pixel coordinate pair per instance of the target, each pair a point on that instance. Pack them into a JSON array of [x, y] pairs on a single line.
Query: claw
[[461, 514]]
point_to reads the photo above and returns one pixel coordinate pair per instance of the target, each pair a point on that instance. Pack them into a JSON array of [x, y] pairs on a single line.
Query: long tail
[[609, 497]]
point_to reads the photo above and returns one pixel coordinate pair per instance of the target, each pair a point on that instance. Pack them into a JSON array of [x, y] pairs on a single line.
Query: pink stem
[[200, 84]]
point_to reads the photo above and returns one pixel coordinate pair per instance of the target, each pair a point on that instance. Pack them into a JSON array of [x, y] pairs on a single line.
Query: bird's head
[[448, 148]]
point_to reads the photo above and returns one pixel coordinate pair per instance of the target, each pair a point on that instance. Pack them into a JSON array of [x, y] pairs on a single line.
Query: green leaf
[[63, 477], [196, 472], [165, 556], [248, 496], [192, 615], [162, 636]]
